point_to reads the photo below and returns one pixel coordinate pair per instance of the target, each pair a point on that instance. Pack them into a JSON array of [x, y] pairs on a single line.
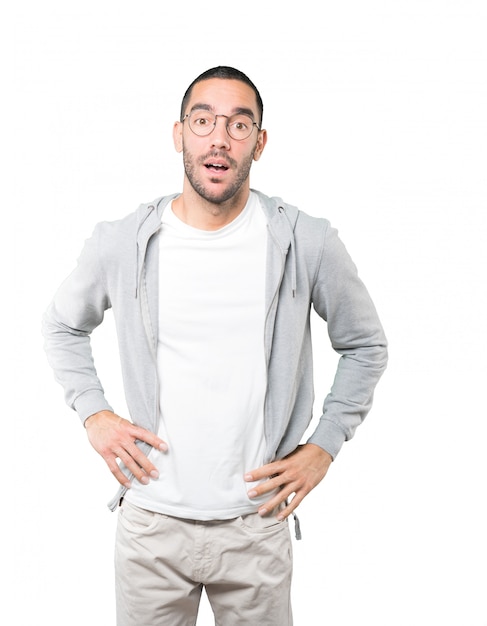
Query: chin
[[217, 196]]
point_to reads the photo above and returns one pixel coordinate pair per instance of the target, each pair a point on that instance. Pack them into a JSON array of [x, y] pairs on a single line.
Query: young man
[[211, 291]]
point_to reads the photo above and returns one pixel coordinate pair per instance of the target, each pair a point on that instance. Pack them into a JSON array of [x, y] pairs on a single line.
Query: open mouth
[[216, 167]]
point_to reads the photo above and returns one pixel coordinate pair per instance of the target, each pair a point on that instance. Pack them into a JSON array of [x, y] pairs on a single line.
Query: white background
[[376, 114]]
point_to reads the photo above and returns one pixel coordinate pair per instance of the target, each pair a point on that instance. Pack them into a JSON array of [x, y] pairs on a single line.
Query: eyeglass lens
[[239, 126]]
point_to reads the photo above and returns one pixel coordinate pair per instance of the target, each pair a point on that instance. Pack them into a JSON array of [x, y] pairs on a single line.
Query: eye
[[240, 124], [201, 119]]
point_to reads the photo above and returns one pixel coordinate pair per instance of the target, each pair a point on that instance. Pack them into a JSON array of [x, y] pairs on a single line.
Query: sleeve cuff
[[328, 436], [89, 403]]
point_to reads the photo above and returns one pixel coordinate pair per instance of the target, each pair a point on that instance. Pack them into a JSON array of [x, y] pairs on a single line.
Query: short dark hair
[[225, 72]]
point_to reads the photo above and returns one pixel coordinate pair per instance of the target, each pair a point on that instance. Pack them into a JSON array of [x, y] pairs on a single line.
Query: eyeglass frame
[[226, 125]]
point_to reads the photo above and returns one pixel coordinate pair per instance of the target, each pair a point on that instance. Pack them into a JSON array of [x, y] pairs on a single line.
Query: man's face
[[216, 165]]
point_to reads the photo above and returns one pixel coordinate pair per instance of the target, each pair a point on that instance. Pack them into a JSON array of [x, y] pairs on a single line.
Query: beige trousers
[[162, 564]]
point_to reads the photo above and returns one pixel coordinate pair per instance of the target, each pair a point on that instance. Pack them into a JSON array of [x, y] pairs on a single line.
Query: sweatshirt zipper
[[268, 347]]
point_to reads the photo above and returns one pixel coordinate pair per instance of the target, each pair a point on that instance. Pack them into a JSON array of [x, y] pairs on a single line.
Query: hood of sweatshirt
[[281, 221]]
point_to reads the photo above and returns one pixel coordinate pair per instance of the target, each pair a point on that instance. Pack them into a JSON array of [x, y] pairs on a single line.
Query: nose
[[219, 136]]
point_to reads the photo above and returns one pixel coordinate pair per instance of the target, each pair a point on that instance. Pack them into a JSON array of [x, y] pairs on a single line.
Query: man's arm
[[76, 310], [355, 332]]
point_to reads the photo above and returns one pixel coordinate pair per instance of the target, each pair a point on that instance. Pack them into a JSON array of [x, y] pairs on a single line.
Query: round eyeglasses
[[203, 122]]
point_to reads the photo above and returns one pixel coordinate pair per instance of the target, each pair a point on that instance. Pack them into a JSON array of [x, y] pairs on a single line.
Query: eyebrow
[[238, 110]]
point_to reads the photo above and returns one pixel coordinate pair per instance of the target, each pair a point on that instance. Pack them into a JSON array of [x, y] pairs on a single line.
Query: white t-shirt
[[212, 367]]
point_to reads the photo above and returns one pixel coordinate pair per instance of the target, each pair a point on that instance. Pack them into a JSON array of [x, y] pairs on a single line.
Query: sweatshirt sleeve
[[76, 310], [356, 334]]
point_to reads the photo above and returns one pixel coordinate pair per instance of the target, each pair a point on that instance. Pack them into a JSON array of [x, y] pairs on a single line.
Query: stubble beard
[[227, 193]]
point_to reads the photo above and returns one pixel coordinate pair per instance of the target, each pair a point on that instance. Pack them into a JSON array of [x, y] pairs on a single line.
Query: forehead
[[223, 95]]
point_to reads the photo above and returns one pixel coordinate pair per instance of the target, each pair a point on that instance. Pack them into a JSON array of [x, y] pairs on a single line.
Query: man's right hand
[[113, 437]]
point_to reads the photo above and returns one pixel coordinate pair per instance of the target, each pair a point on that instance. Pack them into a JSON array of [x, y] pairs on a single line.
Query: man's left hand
[[297, 473]]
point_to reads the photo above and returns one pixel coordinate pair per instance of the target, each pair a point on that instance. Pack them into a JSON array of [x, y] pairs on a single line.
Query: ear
[[261, 142], [177, 135]]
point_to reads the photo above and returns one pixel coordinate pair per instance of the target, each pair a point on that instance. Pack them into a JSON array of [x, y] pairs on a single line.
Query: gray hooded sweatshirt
[[307, 264]]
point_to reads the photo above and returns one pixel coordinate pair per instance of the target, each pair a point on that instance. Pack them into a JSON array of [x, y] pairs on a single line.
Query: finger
[[282, 497], [117, 472], [266, 471], [148, 437], [142, 463], [137, 463], [266, 486], [291, 506]]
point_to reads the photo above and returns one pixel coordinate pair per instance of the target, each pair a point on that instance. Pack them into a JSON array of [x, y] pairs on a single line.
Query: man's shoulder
[[303, 223], [147, 213]]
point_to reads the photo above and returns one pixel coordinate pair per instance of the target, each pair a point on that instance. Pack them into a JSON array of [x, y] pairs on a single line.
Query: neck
[[200, 213]]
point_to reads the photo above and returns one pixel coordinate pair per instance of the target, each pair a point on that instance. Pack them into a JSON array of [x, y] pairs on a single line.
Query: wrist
[[91, 419]]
